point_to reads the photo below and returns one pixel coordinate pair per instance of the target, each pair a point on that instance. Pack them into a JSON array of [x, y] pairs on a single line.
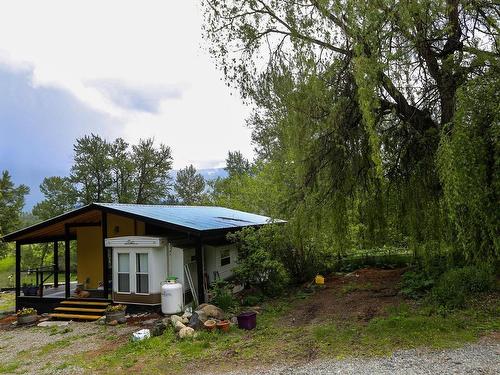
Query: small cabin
[[125, 251]]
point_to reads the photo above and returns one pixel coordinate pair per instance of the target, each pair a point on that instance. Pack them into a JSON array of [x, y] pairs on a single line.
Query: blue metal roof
[[200, 218]]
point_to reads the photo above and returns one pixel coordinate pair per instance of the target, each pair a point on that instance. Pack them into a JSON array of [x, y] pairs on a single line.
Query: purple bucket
[[247, 320]]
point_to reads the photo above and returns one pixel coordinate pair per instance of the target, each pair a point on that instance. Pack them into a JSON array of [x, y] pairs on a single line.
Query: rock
[[185, 321], [158, 328], [187, 314], [234, 320], [186, 332], [202, 316], [122, 320], [174, 319], [166, 320], [178, 326], [213, 311], [200, 307], [113, 323], [195, 321], [101, 320], [53, 323]]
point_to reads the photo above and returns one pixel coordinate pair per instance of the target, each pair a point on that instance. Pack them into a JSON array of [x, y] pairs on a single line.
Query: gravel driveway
[[479, 358]]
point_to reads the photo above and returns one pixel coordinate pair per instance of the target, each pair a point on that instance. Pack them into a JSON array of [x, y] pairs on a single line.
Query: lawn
[[7, 268], [7, 302], [356, 315], [302, 327]]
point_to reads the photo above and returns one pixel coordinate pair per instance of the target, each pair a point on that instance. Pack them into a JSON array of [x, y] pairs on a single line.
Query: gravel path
[[479, 358]]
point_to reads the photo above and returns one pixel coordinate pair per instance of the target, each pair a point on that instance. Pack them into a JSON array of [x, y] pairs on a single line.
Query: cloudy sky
[[131, 69]]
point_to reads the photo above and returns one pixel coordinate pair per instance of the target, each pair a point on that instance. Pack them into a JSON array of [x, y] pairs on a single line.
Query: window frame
[[225, 257], [118, 253], [136, 253]]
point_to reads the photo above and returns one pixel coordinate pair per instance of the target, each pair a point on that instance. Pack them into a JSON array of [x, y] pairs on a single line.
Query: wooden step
[[74, 316], [80, 309], [84, 303]]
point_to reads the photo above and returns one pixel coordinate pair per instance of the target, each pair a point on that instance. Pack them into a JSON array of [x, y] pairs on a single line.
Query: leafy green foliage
[[222, 295], [469, 165], [190, 186], [362, 125], [416, 284], [256, 264], [60, 196], [456, 285], [11, 205]]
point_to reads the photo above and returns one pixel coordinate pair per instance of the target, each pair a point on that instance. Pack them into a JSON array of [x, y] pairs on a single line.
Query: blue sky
[[141, 70]]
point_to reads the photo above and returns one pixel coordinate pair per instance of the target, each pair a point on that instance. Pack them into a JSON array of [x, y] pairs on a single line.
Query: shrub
[[252, 300], [455, 285], [222, 295], [115, 308], [257, 266], [26, 311], [416, 284]]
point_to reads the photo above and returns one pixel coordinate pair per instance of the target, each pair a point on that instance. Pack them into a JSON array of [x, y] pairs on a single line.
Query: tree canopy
[[106, 171], [190, 186], [361, 110]]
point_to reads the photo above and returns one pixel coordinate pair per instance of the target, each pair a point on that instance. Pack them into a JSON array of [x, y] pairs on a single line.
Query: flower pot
[[210, 324], [247, 320], [115, 315], [223, 325], [27, 319]]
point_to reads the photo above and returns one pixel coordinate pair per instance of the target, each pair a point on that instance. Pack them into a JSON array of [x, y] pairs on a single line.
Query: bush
[[252, 300], [222, 295], [455, 285], [416, 284], [256, 264]]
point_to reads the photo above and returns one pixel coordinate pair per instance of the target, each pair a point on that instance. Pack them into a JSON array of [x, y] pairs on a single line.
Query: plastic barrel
[[247, 320]]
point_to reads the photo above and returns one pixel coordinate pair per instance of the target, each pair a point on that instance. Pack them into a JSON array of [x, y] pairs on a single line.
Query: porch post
[[18, 273], [67, 263], [199, 269], [56, 264], [105, 265]]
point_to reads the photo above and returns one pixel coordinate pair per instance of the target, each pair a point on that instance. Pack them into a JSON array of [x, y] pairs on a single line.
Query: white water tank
[[172, 298]]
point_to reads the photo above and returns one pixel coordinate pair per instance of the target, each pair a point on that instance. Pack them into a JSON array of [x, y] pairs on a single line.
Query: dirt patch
[[360, 295]]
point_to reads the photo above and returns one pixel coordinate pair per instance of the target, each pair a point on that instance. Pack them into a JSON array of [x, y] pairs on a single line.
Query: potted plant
[[27, 315], [115, 312]]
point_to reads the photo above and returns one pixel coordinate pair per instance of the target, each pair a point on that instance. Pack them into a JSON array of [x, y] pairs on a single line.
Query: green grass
[[7, 268], [405, 327], [9, 367], [7, 302]]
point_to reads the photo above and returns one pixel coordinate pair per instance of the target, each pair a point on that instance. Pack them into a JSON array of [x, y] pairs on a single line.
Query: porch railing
[[42, 274]]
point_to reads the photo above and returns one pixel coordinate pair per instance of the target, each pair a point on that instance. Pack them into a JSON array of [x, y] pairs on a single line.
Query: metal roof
[[200, 218], [191, 219]]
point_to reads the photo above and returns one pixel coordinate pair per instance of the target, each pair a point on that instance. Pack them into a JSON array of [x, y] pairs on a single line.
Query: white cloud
[[141, 46]]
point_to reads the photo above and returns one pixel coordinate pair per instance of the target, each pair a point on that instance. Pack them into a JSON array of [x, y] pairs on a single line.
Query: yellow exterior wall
[[89, 246], [123, 226], [89, 256]]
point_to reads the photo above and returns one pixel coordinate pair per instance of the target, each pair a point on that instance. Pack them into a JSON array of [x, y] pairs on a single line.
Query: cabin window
[[225, 257], [141, 273], [123, 273]]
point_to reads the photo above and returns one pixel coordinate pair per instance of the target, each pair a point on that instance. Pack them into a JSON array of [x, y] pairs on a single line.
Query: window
[[123, 273], [141, 273], [225, 257]]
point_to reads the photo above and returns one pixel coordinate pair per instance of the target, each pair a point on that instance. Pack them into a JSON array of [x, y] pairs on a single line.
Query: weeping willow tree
[[361, 109]]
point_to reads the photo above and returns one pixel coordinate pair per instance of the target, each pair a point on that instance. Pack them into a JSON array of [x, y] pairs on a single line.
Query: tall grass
[[7, 268]]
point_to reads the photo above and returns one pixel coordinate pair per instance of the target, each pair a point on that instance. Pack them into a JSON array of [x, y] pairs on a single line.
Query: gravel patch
[[44, 349], [479, 358]]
